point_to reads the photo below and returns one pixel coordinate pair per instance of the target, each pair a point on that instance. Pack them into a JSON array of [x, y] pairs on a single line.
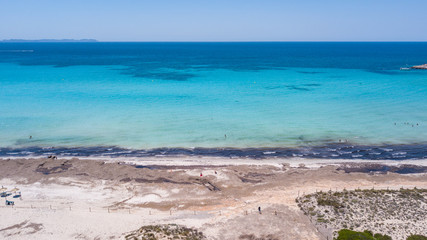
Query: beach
[[75, 198], [221, 120]]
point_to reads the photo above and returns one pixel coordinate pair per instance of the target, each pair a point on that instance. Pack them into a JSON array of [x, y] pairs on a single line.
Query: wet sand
[[105, 199]]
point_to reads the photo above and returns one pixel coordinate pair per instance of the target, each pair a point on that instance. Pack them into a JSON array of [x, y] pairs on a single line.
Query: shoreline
[[181, 161], [327, 150]]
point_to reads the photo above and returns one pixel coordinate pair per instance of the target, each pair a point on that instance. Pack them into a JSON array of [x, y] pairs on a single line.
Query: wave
[[329, 151]]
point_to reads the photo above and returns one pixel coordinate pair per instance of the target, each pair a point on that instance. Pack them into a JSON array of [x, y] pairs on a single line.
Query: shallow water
[[213, 95]]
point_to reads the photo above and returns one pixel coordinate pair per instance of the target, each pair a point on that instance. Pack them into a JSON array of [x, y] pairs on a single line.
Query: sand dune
[[99, 199]]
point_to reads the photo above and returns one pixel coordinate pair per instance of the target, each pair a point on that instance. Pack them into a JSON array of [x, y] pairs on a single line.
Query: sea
[[339, 100]]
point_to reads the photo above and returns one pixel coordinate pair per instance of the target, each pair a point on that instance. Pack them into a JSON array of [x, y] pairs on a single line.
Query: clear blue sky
[[215, 20]]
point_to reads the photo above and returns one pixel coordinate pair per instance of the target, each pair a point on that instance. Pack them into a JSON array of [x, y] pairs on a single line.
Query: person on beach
[[259, 210]]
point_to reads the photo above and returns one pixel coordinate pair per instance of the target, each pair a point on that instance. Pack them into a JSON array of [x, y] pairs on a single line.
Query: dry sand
[[105, 199]]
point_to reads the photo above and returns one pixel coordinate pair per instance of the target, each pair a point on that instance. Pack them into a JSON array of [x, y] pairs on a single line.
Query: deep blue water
[[141, 58], [329, 100]]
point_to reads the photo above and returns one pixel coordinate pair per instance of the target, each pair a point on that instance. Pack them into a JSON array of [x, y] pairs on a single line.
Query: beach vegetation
[[395, 212], [417, 237], [346, 234], [167, 231], [329, 202]]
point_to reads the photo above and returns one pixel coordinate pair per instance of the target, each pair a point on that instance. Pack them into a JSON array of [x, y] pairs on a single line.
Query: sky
[[215, 20]]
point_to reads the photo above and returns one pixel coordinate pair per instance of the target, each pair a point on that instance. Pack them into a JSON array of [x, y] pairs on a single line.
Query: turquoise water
[[133, 102]]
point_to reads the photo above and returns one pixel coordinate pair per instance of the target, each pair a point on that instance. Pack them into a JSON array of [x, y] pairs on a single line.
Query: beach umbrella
[[15, 189], [2, 189]]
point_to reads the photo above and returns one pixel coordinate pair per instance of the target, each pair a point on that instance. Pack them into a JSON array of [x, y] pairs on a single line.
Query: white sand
[[100, 205]]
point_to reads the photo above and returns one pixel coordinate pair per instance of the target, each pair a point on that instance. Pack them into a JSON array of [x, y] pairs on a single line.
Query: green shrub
[[382, 237], [345, 234], [416, 237], [329, 202]]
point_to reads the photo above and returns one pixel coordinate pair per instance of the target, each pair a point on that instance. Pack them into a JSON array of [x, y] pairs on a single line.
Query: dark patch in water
[[312, 84], [273, 87], [244, 68], [309, 72], [171, 76], [384, 72], [295, 87], [302, 87], [336, 76], [326, 151]]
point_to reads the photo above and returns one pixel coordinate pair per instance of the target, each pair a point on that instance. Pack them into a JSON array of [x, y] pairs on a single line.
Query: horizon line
[[195, 41]]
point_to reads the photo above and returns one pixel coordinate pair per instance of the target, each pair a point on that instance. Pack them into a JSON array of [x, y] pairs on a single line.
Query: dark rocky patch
[[382, 169], [51, 170], [82, 174], [253, 237], [255, 177], [34, 227], [209, 185], [248, 180], [125, 180], [200, 181]]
